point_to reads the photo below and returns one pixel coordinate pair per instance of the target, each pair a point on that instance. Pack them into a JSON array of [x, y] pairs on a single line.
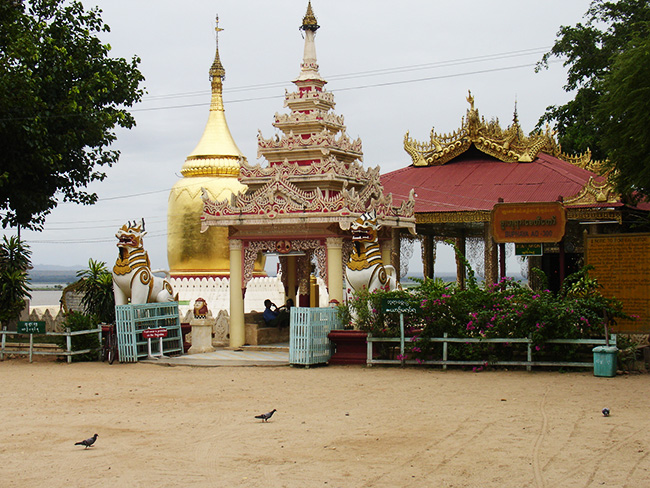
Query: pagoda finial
[[515, 117], [309, 21], [470, 100], [217, 70], [309, 65]]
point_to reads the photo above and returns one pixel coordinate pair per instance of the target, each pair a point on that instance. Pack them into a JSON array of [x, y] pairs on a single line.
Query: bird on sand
[[87, 442], [265, 416], [606, 412]]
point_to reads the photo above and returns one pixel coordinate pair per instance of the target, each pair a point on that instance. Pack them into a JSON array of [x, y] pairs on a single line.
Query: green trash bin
[[605, 361]]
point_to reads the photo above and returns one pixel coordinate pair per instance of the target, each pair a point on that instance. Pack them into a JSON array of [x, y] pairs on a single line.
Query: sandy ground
[[334, 427]]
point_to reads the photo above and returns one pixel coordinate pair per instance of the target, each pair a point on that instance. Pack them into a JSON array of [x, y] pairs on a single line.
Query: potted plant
[[363, 315]]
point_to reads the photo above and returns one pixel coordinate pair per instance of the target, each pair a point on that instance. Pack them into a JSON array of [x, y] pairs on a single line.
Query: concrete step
[[281, 347]]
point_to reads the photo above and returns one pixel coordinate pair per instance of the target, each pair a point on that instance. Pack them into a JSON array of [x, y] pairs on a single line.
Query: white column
[[335, 268], [237, 330]]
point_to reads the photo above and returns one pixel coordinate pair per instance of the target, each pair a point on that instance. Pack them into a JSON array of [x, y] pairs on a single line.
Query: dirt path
[[334, 427]]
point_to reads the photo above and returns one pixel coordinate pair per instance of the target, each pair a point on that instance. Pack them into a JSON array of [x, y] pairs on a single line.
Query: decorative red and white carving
[[281, 197], [329, 166], [324, 140], [310, 247]]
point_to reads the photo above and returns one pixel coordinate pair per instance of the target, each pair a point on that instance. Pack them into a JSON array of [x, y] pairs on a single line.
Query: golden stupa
[[213, 165]]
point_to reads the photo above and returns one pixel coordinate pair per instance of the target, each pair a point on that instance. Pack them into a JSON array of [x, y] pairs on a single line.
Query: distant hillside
[[54, 274]]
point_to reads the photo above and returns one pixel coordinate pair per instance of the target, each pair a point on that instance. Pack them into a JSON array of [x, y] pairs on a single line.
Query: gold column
[[461, 271], [314, 293], [427, 254], [291, 278], [335, 267], [491, 258], [395, 254], [386, 250], [237, 329]]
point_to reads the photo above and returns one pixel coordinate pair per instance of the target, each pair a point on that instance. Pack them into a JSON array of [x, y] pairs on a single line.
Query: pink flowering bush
[[508, 309]]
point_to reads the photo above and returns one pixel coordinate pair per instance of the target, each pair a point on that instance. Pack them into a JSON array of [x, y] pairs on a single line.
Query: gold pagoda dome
[[214, 166]]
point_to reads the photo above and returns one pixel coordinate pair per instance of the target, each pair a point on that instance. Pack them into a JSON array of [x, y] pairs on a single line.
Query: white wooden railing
[[445, 361], [18, 348]]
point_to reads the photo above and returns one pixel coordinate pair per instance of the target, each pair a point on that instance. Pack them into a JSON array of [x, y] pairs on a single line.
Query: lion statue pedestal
[[202, 324], [201, 335]]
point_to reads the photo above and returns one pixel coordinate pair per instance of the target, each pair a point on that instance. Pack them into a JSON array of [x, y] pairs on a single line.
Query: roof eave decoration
[[279, 199], [509, 145], [329, 166], [595, 192]]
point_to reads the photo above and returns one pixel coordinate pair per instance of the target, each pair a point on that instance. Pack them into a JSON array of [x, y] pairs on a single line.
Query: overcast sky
[[392, 66]]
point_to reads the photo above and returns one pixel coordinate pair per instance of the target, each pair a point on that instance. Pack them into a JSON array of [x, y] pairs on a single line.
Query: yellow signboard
[[622, 266], [528, 223]]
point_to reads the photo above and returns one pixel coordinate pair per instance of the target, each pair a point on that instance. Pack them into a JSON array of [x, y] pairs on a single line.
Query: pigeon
[[606, 412], [265, 416], [88, 442]]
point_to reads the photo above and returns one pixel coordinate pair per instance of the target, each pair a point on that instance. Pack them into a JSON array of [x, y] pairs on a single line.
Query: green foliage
[[589, 50], [365, 312], [622, 115], [76, 321], [14, 283], [505, 310], [61, 97], [460, 257], [96, 285]]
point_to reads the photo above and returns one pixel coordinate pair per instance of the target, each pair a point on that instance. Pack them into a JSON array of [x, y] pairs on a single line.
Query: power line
[[367, 73], [272, 97]]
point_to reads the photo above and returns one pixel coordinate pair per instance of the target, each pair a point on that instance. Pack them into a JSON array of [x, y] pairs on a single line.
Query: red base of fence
[[350, 346]]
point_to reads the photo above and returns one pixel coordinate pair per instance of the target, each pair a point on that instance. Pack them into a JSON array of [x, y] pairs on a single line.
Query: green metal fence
[[308, 342], [131, 320]]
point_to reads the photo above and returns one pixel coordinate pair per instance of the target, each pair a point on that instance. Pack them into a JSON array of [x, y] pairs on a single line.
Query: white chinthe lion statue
[[133, 280], [365, 267]]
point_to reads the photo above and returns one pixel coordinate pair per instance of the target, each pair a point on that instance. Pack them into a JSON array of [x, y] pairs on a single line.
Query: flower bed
[[485, 321]]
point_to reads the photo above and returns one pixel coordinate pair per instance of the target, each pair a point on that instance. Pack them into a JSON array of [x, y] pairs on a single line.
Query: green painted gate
[[131, 320]]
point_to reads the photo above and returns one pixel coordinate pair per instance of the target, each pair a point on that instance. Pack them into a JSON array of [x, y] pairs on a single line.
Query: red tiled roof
[[476, 181]]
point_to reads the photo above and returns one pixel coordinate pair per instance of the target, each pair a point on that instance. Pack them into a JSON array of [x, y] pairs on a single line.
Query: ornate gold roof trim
[[591, 215], [594, 193], [481, 216], [509, 145], [584, 161], [453, 217]]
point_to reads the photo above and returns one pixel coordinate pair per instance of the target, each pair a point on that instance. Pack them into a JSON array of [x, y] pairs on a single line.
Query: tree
[[589, 51], [96, 286], [622, 115], [61, 97], [14, 284]]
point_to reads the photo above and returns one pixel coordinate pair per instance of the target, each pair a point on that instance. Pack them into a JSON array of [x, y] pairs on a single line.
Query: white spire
[[309, 66]]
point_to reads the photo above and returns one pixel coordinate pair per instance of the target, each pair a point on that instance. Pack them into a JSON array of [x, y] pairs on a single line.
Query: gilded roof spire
[[216, 154]]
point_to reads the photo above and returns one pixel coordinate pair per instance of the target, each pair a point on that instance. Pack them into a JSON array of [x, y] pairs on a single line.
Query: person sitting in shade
[[277, 317]]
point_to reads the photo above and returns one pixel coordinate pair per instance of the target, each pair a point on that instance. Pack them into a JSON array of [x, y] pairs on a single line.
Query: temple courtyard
[[336, 426]]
